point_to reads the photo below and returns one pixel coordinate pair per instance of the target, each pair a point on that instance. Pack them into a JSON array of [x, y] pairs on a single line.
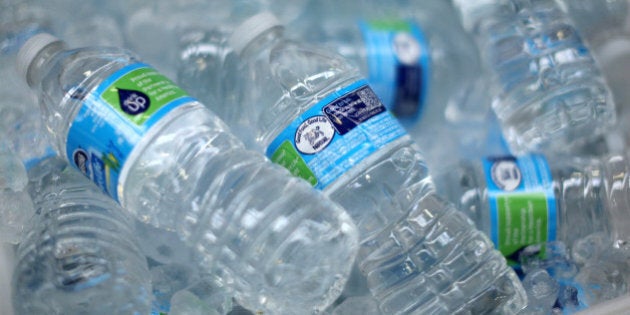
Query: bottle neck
[[262, 42], [38, 67]]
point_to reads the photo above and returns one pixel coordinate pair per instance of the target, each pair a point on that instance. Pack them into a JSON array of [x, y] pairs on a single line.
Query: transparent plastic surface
[[418, 253], [79, 254], [591, 196], [189, 174], [548, 91]]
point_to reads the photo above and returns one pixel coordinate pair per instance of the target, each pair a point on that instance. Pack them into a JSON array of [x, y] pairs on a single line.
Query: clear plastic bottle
[[548, 91], [205, 63], [415, 54], [79, 255], [418, 253], [531, 199], [154, 28], [203, 56], [174, 164], [422, 64], [605, 26]]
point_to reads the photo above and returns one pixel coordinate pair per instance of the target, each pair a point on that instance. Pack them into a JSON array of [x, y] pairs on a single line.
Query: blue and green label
[[335, 134], [398, 63], [113, 119], [522, 202]]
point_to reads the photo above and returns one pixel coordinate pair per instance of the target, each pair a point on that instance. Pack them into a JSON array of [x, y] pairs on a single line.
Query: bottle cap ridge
[[252, 28], [30, 49]]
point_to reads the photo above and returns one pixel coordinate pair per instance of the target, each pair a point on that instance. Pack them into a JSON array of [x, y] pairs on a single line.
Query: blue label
[[522, 201], [398, 63], [114, 117], [335, 134]]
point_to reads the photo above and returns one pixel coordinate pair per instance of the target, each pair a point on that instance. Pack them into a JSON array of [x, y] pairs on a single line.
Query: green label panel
[[141, 93], [288, 157], [522, 220]]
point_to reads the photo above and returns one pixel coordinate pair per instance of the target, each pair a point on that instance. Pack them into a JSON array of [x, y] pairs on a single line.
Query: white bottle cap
[[252, 28], [30, 49]]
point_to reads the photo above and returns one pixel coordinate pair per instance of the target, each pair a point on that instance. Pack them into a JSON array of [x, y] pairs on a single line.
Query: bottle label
[[522, 202], [398, 63], [338, 132], [114, 117]]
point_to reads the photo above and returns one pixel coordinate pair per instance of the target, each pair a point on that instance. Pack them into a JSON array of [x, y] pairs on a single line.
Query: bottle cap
[[30, 49], [252, 28]]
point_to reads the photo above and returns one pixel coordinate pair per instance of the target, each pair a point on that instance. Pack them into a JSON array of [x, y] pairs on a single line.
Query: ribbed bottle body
[[590, 196], [180, 168], [291, 93], [548, 91], [79, 255]]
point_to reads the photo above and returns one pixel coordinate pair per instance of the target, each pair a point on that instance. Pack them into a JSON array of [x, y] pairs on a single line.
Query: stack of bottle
[[265, 157]]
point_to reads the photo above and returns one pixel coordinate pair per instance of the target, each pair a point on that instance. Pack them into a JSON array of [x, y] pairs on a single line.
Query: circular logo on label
[[80, 159], [506, 175], [314, 134], [407, 48]]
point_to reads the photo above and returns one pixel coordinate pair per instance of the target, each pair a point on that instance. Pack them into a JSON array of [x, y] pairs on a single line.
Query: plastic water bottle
[[548, 91], [415, 54], [154, 28], [416, 57], [79, 255], [7, 257], [530, 199], [421, 66], [25, 142], [171, 162], [311, 112]]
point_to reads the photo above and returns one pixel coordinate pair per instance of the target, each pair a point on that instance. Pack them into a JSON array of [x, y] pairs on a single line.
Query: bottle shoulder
[[77, 67]]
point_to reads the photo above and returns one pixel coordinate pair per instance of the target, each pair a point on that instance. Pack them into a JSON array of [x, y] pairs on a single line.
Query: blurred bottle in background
[[154, 29], [530, 199], [605, 25], [420, 62], [548, 92]]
